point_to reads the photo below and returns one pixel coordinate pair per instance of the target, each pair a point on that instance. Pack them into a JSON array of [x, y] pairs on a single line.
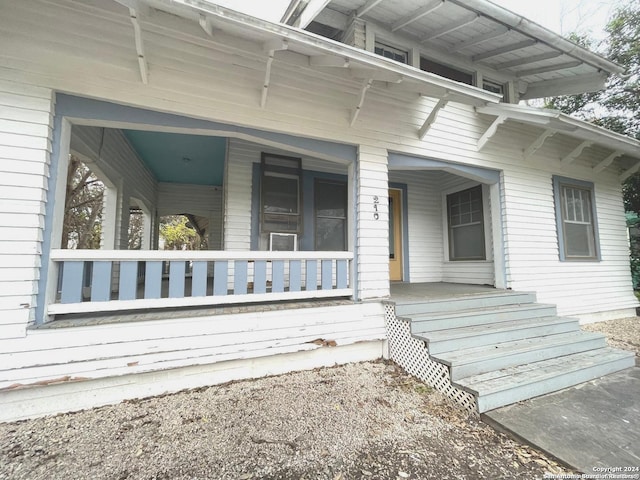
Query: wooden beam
[[270, 48], [506, 49], [451, 27], [607, 161], [491, 131], [537, 144], [548, 68], [417, 14], [575, 153], [363, 91], [630, 172], [205, 23], [366, 7], [137, 33], [495, 33], [432, 116], [530, 59]]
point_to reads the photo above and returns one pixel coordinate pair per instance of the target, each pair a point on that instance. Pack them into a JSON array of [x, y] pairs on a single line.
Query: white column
[[372, 224]]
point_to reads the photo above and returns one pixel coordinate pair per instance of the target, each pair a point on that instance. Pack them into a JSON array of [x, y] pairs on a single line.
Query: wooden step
[[466, 318], [478, 360], [510, 385], [464, 303], [491, 333]]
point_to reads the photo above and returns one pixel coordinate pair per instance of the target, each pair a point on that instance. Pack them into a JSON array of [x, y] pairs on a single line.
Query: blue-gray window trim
[[306, 240], [558, 182], [406, 276]]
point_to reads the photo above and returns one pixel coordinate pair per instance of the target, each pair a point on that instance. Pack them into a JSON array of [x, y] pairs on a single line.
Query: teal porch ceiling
[[180, 158]]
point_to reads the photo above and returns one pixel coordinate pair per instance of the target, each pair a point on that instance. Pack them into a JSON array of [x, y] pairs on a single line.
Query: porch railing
[[111, 280]]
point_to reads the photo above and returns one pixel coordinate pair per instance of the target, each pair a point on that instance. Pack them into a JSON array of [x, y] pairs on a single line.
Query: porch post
[[499, 265], [372, 228]]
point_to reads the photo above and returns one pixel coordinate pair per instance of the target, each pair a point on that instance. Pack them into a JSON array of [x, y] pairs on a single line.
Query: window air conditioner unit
[[283, 242]]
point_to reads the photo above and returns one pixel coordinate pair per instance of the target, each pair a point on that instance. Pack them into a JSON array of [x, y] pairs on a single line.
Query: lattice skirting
[[412, 355]]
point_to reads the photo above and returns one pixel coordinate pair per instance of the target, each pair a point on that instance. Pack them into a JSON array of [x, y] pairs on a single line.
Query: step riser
[[488, 338], [452, 305], [525, 392], [423, 326], [543, 353]]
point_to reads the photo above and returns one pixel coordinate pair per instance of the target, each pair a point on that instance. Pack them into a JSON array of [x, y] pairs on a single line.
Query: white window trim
[[558, 183], [486, 219]]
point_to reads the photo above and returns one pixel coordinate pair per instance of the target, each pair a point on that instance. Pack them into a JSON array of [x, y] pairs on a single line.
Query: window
[[330, 207], [493, 87], [466, 225], [576, 219], [445, 71], [393, 53], [280, 194]]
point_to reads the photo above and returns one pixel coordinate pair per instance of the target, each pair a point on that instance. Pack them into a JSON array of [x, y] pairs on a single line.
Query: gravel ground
[[622, 333], [359, 421]]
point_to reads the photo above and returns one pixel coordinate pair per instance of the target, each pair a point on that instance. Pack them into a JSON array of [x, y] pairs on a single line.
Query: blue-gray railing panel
[[128, 280], [260, 276], [199, 279], [341, 273], [295, 275], [277, 276], [312, 275], [220, 274], [101, 282], [72, 273], [153, 280], [240, 277], [327, 273], [176, 279]]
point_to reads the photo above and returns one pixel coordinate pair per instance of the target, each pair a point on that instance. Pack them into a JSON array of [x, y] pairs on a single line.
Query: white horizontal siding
[[93, 352], [220, 78], [25, 145]]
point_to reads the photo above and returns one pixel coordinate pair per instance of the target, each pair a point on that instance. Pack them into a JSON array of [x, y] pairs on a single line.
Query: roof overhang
[[324, 54], [480, 36], [625, 151]]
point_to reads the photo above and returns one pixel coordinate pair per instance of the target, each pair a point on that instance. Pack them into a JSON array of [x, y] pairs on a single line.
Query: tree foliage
[[82, 223], [617, 106], [178, 234]]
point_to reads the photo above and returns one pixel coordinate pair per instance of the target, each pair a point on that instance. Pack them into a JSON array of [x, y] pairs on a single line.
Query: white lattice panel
[[412, 355]]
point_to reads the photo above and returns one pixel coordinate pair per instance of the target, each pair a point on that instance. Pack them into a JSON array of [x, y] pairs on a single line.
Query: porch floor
[[402, 293]]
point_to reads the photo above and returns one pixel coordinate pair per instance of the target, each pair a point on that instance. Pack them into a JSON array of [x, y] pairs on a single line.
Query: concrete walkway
[[589, 427]]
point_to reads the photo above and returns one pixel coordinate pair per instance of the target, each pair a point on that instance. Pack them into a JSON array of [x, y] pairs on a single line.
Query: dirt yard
[[359, 421]]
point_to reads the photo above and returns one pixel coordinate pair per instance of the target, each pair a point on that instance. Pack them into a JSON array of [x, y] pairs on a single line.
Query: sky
[[560, 16]]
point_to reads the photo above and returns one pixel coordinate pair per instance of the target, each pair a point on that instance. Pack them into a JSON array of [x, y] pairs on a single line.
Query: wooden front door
[[395, 235]]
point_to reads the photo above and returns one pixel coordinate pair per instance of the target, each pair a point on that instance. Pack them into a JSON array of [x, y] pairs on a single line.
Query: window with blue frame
[[330, 207], [291, 202]]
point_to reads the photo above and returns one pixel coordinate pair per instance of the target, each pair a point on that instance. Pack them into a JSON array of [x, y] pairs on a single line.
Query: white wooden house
[[357, 155]]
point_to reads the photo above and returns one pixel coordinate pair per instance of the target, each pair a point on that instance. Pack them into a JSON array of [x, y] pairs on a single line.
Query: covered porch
[[274, 215]]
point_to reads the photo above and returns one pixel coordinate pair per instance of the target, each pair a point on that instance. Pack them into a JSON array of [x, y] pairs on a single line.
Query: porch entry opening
[[395, 235]]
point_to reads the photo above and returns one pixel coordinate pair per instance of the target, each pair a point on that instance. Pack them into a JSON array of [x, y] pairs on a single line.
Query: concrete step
[[491, 333], [478, 360], [467, 318], [464, 303], [510, 385]]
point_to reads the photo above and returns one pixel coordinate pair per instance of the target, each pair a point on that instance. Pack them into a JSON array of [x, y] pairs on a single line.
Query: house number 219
[[376, 202]]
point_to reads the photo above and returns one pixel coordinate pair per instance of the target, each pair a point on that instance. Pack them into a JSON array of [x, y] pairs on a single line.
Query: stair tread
[[513, 377], [494, 327], [426, 317], [463, 298], [497, 350]]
